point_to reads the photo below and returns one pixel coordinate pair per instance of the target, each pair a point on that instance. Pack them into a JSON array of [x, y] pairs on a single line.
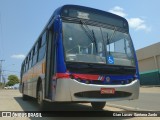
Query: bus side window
[[29, 59], [26, 64], [42, 47], [34, 61], [22, 69]]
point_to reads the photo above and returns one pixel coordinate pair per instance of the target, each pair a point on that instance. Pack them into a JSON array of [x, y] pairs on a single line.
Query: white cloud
[[118, 11], [136, 23], [18, 56]]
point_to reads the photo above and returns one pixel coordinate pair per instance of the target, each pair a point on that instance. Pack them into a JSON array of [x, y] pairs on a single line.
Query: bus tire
[[98, 105], [41, 102]]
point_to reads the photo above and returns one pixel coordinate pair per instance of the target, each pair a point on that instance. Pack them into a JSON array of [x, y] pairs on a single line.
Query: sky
[[21, 22]]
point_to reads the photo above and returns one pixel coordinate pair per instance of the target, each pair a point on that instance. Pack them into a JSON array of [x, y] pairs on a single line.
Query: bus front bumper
[[72, 90]]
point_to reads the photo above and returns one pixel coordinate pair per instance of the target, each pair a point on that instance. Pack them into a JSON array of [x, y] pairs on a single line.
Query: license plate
[[107, 90]]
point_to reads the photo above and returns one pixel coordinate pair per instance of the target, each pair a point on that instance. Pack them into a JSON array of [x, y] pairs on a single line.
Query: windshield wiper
[[90, 33]]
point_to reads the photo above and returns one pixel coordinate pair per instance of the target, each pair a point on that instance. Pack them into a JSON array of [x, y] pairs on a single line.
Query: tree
[[1, 83], [13, 79]]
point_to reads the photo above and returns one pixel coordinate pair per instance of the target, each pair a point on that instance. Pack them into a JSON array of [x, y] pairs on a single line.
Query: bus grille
[[97, 94], [113, 82]]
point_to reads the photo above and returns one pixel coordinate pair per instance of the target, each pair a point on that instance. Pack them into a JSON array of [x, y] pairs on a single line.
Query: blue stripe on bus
[[61, 67]]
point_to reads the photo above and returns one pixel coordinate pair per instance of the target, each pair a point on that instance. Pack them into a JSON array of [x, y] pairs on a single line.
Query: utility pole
[[4, 81], [1, 69]]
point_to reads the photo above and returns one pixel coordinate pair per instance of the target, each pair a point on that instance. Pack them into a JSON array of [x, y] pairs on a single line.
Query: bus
[[82, 55]]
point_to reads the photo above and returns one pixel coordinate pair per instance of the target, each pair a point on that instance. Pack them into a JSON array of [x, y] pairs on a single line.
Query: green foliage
[[1, 84], [13, 79]]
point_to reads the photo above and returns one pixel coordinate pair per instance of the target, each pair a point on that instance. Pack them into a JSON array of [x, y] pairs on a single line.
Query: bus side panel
[[30, 79], [38, 74], [25, 83]]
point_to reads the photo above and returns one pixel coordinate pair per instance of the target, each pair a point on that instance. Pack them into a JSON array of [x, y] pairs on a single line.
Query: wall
[[149, 64]]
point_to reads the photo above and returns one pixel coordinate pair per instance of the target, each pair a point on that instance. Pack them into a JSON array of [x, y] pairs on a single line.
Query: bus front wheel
[[98, 105], [40, 100]]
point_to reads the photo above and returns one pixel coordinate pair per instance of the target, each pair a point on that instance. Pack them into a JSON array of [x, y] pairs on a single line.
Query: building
[[149, 64]]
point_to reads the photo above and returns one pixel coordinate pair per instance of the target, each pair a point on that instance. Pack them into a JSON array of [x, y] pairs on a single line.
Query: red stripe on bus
[[62, 75], [86, 76], [76, 76]]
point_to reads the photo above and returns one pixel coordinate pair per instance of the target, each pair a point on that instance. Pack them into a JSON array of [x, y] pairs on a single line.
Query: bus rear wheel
[[98, 105]]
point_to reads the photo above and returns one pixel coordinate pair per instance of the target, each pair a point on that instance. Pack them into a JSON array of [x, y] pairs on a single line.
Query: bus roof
[[91, 13]]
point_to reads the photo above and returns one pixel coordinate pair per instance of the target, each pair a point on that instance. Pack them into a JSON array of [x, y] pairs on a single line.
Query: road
[[149, 99], [11, 100]]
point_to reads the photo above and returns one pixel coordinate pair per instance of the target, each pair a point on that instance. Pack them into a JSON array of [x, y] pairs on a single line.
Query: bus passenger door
[[50, 60]]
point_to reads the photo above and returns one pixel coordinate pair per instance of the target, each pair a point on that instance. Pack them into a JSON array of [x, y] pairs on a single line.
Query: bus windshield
[[92, 44]]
